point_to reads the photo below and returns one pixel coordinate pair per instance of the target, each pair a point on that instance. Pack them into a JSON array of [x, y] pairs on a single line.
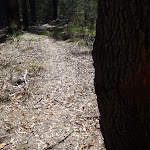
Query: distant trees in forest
[[55, 8], [2, 12], [14, 13]]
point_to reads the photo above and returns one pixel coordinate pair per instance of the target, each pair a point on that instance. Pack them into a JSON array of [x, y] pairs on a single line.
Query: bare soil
[[54, 106]]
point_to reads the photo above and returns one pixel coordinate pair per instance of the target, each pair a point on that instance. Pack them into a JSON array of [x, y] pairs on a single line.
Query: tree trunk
[[122, 73], [25, 14], [55, 6], [2, 13], [85, 12], [13, 16], [32, 11]]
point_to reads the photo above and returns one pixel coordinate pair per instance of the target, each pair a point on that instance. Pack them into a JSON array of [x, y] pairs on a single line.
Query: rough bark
[[122, 73], [32, 11], [25, 14], [13, 16], [55, 5]]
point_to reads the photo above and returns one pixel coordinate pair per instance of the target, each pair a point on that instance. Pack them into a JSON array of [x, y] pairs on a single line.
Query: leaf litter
[[56, 107]]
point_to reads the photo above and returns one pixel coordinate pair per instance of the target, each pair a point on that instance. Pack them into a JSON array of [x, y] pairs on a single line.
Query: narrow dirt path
[[57, 108]]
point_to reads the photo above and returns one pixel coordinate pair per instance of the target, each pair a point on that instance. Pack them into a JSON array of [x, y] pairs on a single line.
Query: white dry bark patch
[[57, 108]]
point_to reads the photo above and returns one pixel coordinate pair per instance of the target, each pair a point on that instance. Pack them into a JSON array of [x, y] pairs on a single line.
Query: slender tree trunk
[[13, 16], [122, 73], [32, 11], [85, 12], [55, 6], [2, 12], [25, 14]]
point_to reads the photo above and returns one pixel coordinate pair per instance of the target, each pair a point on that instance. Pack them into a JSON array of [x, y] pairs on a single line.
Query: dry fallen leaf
[[12, 148], [56, 100], [2, 145]]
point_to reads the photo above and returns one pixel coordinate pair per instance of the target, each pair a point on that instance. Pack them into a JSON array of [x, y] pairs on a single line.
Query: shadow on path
[[58, 31], [3, 36]]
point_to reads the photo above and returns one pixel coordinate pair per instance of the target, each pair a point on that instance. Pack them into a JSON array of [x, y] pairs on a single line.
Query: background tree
[[13, 18], [80, 12], [55, 7], [122, 73], [33, 11], [85, 11], [79, 15], [2, 12], [25, 14], [77, 12]]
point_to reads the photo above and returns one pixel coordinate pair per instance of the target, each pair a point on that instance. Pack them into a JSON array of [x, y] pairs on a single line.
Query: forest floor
[[47, 98]]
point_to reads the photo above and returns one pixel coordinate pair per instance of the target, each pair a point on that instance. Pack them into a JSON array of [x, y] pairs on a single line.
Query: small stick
[[25, 76], [52, 146]]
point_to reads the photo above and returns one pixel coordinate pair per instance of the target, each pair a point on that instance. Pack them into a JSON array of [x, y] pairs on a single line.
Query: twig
[[52, 146], [39, 100], [3, 136], [25, 76], [58, 101], [9, 145]]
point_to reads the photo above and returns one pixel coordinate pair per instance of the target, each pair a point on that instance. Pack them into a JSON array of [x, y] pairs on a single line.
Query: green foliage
[[44, 32], [73, 29], [80, 31], [78, 19], [35, 68], [80, 12], [44, 10], [85, 35], [14, 35]]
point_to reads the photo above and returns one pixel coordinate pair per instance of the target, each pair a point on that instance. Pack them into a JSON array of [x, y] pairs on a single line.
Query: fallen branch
[[39, 100], [25, 76], [59, 102], [3, 136], [52, 146]]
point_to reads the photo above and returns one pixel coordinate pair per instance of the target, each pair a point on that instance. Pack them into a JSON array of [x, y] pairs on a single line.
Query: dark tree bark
[[25, 14], [2, 12], [13, 16], [32, 11], [55, 6], [122, 73]]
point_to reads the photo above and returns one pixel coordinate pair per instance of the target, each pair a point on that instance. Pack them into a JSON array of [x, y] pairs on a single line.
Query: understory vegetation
[[84, 35], [72, 20]]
